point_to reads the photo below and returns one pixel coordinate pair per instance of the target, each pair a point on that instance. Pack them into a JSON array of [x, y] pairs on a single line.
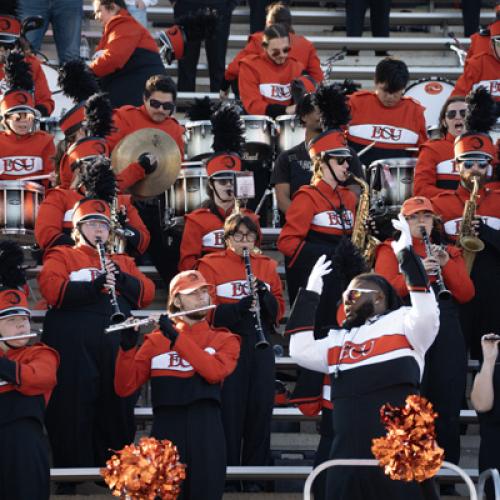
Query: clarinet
[[443, 292], [262, 343], [117, 316]]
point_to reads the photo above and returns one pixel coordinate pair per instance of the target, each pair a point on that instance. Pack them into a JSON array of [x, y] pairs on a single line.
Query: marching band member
[[266, 79], [483, 69], [385, 117], [126, 55], [301, 49], [435, 170], [480, 42], [247, 394], [11, 30], [54, 222], [393, 341], [204, 227], [85, 418], [24, 151], [443, 381], [474, 152], [27, 379], [187, 361]]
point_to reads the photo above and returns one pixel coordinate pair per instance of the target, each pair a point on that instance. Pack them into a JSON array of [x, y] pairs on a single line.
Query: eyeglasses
[[353, 294], [224, 181], [418, 215], [15, 117], [452, 113], [250, 237], [277, 52], [96, 224], [167, 106], [470, 163]]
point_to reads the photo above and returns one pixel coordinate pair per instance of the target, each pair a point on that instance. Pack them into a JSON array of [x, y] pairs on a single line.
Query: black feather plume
[[199, 25], [18, 72], [348, 261], [12, 274], [77, 81], [99, 115], [481, 111], [201, 109], [350, 86], [227, 128], [99, 180], [8, 8], [332, 103]]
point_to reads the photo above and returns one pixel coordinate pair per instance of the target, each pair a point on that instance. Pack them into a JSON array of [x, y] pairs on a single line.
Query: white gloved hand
[[405, 240], [320, 269]]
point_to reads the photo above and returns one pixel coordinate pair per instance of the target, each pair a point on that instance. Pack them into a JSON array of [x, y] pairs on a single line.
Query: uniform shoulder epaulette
[[413, 101], [215, 255], [127, 108], [362, 93], [201, 210]]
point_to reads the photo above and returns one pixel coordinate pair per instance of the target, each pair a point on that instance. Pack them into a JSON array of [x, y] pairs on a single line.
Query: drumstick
[[35, 177], [367, 148]]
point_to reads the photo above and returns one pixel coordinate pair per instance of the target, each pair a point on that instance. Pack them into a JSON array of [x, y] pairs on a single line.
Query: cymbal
[[154, 141]]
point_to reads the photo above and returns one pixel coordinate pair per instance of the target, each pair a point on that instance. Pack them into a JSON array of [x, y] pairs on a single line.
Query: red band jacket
[[67, 276], [128, 119], [226, 271], [54, 223], [317, 217], [265, 86], [26, 155], [301, 49], [397, 127], [435, 170], [480, 43], [121, 37], [191, 369], [482, 70], [43, 95], [27, 379], [454, 273], [203, 233]]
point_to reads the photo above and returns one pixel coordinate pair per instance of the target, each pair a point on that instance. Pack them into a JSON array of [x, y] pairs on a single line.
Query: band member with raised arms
[[204, 227], [27, 379], [301, 48], [86, 289], [376, 357], [480, 42], [24, 150], [435, 170], [443, 381], [187, 361], [471, 216], [126, 55], [265, 80], [248, 394], [385, 117], [54, 222], [11, 31]]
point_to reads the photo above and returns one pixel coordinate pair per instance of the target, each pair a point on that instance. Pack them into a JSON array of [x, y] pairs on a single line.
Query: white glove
[[320, 269], [405, 240]]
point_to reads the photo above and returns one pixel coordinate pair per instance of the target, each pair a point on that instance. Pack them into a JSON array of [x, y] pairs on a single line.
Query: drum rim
[[22, 185], [392, 160], [196, 123], [288, 118], [255, 118]]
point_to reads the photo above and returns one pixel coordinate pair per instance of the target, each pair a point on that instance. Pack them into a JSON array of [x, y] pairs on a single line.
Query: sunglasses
[[250, 237], [167, 106], [452, 113], [470, 163], [339, 159], [353, 294], [277, 52]]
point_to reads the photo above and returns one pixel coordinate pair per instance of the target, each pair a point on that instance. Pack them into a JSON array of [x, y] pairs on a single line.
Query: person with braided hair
[[86, 418]]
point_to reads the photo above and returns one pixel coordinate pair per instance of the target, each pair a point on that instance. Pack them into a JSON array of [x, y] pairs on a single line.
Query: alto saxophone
[[467, 240], [365, 242]]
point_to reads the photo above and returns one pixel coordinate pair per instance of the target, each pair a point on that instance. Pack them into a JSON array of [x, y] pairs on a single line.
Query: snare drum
[[19, 203], [393, 179], [198, 139], [189, 190], [259, 134], [432, 94], [291, 131]]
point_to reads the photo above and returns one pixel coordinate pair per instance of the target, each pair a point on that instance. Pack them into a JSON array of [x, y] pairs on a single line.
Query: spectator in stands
[[435, 170], [65, 17], [384, 118], [483, 69], [139, 9], [379, 19], [258, 9], [486, 401], [301, 49], [215, 45], [470, 14], [265, 80], [443, 380], [126, 56], [480, 42]]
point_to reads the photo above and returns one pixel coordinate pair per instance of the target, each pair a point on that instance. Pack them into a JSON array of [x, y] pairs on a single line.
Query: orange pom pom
[[409, 451]]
